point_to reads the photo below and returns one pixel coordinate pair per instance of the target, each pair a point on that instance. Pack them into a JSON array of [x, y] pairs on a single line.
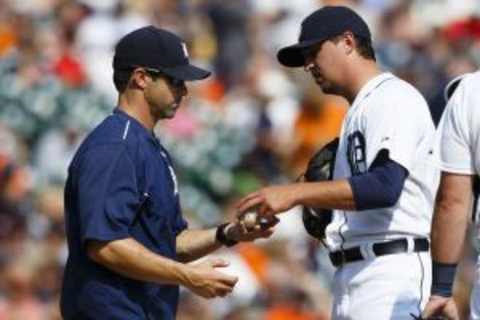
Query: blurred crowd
[[253, 123]]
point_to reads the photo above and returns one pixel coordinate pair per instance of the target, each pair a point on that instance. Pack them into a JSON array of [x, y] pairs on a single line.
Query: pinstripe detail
[[421, 283], [422, 279]]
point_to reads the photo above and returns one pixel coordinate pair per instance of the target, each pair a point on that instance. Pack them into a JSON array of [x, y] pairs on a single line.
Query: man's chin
[[166, 114], [327, 89], [169, 116]]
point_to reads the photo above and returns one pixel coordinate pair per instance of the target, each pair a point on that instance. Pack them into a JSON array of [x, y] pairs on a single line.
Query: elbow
[[391, 180], [454, 195], [450, 199], [95, 251], [389, 193], [447, 204], [386, 199], [371, 193], [380, 187], [391, 197]]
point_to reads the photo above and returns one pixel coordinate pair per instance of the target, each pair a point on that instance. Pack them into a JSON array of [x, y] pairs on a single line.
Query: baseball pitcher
[[384, 181]]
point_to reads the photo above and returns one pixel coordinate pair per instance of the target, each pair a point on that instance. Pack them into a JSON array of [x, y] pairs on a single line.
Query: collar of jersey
[[370, 86], [136, 126]]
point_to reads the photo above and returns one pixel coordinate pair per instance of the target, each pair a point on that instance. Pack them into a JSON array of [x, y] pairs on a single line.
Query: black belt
[[341, 257]]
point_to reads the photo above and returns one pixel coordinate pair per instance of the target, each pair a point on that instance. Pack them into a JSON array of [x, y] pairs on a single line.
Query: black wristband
[[222, 237], [443, 275]]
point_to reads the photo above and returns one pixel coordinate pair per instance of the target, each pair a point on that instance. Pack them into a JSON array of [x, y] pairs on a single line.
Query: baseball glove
[[319, 168]]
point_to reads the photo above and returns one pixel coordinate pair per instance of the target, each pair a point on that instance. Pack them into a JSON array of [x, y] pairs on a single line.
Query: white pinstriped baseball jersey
[[459, 148], [388, 113]]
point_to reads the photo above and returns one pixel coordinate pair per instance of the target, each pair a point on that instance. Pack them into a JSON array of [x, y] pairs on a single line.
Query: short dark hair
[[121, 77], [365, 47]]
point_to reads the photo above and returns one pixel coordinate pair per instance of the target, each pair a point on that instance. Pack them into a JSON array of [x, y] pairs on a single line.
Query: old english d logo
[[356, 153]]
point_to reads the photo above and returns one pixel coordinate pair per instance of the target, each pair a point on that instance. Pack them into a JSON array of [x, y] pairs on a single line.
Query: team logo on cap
[[184, 48]]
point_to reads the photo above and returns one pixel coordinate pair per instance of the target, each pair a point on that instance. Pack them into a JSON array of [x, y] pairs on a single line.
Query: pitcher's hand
[[270, 200]]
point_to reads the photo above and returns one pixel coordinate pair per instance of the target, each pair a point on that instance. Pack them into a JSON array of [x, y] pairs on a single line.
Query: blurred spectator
[[231, 28], [318, 123], [21, 302]]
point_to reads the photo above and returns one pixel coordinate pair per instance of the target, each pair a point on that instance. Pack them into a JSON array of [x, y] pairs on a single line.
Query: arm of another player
[[449, 226], [379, 187], [131, 259], [336, 194]]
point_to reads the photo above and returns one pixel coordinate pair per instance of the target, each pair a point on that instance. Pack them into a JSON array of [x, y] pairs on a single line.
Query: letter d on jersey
[[356, 153]]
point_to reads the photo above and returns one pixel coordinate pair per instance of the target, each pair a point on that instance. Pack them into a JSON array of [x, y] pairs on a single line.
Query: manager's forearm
[[131, 259], [194, 244]]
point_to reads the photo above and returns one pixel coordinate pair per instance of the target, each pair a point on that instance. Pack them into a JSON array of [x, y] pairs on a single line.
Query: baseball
[[250, 220]]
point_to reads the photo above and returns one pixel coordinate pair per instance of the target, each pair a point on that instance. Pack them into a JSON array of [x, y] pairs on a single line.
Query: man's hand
[[440, 308], [204, 280], [238, 231], [270, 200]]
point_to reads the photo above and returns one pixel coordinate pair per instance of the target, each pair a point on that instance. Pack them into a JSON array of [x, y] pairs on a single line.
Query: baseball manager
[[129, 245]]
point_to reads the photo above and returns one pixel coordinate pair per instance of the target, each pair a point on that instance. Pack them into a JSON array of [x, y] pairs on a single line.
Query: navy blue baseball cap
[[323, 24], [158, 49]]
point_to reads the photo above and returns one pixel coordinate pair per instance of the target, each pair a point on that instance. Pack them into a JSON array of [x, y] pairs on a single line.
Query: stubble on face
[[327, 86], [162, 101], [325, 63], [325, 71]]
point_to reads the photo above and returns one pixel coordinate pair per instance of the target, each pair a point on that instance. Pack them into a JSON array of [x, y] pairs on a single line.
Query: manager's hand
[[239, 231], [205, 280]]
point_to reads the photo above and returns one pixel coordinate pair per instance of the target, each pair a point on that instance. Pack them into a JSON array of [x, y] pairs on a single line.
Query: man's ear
[[348, 42], [139, 79]]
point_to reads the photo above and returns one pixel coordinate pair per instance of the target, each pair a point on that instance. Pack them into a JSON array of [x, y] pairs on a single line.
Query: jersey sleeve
[[180, 223], [453, 131], [397, 124], [107, 192]]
